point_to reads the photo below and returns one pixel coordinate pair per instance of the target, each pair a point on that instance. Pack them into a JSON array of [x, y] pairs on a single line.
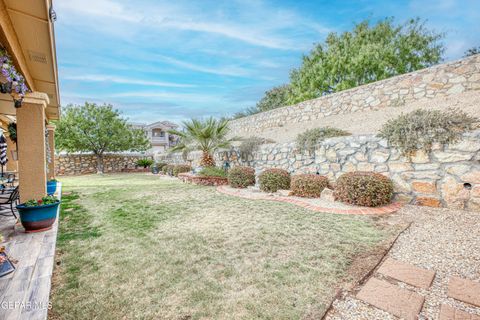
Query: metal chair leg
[[13, 212]]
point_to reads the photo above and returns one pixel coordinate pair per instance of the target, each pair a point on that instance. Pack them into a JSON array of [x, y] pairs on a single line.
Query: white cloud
[[105, 78], [190, 97], [230, 31], [222, 70], [101, 8], [257, 24]]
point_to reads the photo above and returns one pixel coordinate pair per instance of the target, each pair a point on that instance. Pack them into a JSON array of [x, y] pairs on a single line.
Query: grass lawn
[[133, 246]]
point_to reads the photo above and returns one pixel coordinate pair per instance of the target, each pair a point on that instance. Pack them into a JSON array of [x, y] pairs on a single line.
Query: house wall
[[439, 81]]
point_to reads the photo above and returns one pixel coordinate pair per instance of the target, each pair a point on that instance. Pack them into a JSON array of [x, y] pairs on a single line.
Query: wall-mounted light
[[53, 14], [18, 102]]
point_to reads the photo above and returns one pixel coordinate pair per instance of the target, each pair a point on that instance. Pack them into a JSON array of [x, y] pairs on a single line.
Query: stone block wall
[[447, 177], [439, 81], [75, 164]]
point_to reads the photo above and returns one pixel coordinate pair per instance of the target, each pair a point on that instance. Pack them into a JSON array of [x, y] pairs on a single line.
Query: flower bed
[[202, 180]]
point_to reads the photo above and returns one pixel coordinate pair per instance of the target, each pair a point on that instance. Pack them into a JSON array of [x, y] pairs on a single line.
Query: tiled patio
[[24, 293]]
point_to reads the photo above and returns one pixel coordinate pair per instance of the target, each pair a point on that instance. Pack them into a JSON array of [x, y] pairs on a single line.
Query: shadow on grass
[[75, 226]]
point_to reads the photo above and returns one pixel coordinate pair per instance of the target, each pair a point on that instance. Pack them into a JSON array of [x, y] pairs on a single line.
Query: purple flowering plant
[[11, 74]]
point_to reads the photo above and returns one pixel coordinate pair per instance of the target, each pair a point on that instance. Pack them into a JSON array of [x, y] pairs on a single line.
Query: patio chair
[[11, 200], [8, 184], [11, 180]]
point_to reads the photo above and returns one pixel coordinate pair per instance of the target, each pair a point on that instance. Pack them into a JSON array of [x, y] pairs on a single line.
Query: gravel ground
[[443, 240], [369, 122]]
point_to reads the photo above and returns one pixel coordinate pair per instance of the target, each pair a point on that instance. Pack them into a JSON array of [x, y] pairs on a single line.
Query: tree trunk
[[99, 163], [207, 160]]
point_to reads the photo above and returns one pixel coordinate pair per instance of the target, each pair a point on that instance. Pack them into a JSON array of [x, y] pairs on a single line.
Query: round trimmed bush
[[241, 177], [272, 180], [168, 169], [181, 168], [160, 165], [308, 185], [212, 172], [364, 189]]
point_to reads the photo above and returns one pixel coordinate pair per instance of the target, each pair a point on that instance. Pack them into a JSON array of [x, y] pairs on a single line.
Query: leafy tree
[[472, 51], [97, 129], [366, 54], [274, 98], [205, 135]]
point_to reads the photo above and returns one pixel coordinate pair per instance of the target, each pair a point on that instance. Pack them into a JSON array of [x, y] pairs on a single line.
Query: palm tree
[[205, 135]]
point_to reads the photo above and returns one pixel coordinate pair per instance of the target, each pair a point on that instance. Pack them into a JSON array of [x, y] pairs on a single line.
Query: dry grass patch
[[167, 250]]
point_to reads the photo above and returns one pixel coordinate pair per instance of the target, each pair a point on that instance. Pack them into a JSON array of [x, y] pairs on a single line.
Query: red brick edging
[[393, 207]]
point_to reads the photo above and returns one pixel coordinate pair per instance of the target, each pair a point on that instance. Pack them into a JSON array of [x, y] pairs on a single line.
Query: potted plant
[[51, 186], [6, 266], [38, 215]]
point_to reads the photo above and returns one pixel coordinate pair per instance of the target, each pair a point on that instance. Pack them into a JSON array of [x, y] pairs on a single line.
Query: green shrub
[[181, 168], [160, 165], [364, 189], [212, 172], [241, 177], [250, 145], [310, 138], [308, 185], [420, 129], [272, 180], [168, 169], [144, 162]]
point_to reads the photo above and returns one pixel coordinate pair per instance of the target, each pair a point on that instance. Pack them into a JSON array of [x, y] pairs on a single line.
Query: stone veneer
[[438, 81], [74, 164], [447, 177]]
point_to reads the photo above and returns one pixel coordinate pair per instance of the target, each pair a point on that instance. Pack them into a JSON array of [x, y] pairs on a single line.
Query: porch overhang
[[27, 32]]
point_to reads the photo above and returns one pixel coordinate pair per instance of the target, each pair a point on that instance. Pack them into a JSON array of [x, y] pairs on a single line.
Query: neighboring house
[[157, 134]]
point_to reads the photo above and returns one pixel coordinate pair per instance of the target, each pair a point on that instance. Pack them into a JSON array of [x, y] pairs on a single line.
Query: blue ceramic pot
[[38, 218], [51, 187]]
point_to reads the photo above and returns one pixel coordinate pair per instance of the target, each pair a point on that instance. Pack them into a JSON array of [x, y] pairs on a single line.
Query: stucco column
[[51, 143], [12, 165], [32, 170]]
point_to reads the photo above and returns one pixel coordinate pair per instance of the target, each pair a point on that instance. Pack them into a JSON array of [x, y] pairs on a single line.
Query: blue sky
[[172, 60]]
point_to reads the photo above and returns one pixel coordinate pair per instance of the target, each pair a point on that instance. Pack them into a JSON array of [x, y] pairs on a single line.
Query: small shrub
[[250, 145], [241, 177], [308, 185], [420, 129], [272, 180], [168, 169], [160, 165], [144, 162], [181, 168], [212, 172], [310, 138], [364, 189]]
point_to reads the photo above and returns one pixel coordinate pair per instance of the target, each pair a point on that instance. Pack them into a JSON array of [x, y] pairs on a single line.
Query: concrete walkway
[[24, 293]]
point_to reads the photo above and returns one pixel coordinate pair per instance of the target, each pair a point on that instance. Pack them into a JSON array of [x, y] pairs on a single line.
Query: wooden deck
[[24, 294]]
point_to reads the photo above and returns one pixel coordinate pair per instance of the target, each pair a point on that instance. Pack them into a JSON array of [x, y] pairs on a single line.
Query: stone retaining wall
[[75, 164], [438, 81], [447, 177]]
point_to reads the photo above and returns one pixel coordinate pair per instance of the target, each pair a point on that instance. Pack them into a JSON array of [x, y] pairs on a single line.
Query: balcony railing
[[159, 139]]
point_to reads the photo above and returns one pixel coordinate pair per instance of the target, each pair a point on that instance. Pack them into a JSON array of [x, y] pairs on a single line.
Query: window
[[158, 133]]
